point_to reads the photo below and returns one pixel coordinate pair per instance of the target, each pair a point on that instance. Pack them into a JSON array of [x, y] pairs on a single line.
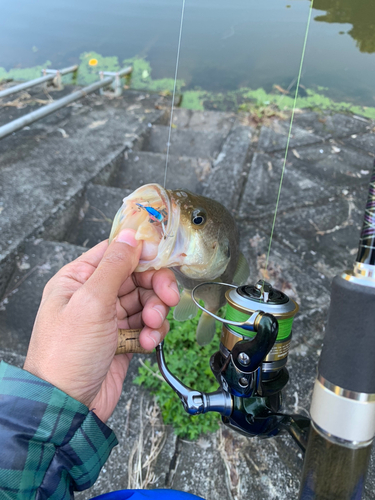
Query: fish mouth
[[153, 214]]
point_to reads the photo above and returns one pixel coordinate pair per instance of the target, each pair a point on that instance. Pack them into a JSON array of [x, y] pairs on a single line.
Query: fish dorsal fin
[[185, 309], [242, 271], [206, 329]]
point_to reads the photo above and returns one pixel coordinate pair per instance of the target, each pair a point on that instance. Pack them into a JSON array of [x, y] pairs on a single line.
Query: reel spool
[[244, 301]]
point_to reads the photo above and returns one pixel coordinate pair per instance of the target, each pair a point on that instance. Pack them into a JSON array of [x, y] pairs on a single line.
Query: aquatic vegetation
[[141, 78], [23, 73], [259, 98], [197, 99], [89, 73], [193, 99]]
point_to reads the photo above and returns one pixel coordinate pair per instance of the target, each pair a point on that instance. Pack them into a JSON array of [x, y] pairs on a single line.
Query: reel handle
[[128, 342]]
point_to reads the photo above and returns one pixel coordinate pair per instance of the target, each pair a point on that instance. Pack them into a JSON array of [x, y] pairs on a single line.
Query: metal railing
[[50, 74], [32, 117]]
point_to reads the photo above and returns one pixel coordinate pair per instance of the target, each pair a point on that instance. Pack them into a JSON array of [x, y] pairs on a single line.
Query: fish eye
[[198, 217]]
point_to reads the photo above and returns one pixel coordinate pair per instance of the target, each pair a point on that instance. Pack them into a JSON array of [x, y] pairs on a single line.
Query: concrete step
[[54, 161], [274, 137], [142, 167], [185, 142], [96, 215], [208, 121], [230, 170], [39, 261]]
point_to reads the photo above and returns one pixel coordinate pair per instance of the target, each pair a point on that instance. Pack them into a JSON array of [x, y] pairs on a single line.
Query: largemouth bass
[[194, 236]]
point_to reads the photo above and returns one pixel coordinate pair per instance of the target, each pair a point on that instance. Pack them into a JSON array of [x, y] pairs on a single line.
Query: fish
[[195, 236], [281, 90]]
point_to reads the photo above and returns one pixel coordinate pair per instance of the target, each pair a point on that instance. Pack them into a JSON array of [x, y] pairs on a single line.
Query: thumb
[[118, 263]]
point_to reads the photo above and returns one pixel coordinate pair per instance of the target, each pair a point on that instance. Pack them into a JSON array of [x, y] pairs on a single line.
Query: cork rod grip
[[128, 341]]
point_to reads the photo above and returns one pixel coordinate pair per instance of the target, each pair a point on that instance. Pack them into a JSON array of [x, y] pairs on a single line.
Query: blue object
[[147, 494], [152, 211]]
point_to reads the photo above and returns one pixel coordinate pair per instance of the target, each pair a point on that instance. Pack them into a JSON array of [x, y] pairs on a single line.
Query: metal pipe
[[32, 117], [37, 81], [123, 72]]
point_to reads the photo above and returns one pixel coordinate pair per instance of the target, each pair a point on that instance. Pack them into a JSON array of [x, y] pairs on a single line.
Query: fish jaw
[[163, 243]]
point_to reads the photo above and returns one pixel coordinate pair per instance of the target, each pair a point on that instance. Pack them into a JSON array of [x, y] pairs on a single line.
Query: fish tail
[[206, 329]]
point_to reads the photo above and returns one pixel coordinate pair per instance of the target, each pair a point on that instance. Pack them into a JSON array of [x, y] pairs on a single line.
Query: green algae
[[193, 99], [248, 100], [141, 78], [244, 99], [23, 73], [89, 74]]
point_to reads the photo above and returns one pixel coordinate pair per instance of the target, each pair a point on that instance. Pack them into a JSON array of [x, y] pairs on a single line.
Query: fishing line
[[174, 91], [290, 130]]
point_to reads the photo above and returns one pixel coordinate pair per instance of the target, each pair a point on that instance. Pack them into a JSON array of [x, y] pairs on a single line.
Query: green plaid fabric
[[50, 443]]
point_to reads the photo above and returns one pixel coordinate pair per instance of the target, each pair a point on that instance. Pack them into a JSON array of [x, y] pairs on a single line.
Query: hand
[[74, 338]]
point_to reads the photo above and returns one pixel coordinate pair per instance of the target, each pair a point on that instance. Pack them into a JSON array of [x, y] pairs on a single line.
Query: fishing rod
[[343, 402]]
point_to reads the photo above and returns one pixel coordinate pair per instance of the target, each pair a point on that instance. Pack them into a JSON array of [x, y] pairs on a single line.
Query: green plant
[[190, 363]]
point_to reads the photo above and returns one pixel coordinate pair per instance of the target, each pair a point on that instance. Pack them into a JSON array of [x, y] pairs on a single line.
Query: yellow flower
[[93, 62]]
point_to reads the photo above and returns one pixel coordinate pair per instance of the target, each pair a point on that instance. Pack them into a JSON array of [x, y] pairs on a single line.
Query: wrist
[[36, 369]]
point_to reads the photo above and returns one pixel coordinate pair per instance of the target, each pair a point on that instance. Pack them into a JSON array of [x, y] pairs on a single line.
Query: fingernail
[[127, 236], [155, 337], [161, 311], [173, 286]]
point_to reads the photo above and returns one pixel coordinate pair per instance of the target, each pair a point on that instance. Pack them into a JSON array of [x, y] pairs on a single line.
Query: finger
[[163, 282], [165, 286], [128, 304], [149, 338], [134, 322], [154, 309], [93, 256], [118, 262], [74, 274]]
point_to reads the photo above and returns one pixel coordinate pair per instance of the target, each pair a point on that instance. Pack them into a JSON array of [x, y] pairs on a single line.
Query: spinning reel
[[250, 365]]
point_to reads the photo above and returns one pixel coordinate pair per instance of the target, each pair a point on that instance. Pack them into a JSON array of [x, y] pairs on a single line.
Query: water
[[226, 44]]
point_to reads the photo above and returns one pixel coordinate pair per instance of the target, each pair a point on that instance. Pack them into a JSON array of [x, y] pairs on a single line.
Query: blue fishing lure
[[153, 213]]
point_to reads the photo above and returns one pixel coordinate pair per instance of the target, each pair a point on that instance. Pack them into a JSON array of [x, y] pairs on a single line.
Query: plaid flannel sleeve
[[50, 443]]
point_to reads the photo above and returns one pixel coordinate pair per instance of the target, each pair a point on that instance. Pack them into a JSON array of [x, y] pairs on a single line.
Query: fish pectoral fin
[[242, 271], [206, 329], [185, 309]]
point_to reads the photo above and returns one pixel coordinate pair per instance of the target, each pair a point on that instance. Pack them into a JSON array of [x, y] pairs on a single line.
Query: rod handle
[[128, 341]]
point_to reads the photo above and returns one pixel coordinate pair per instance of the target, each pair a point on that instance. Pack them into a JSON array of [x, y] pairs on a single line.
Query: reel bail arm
[[194, 402]]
